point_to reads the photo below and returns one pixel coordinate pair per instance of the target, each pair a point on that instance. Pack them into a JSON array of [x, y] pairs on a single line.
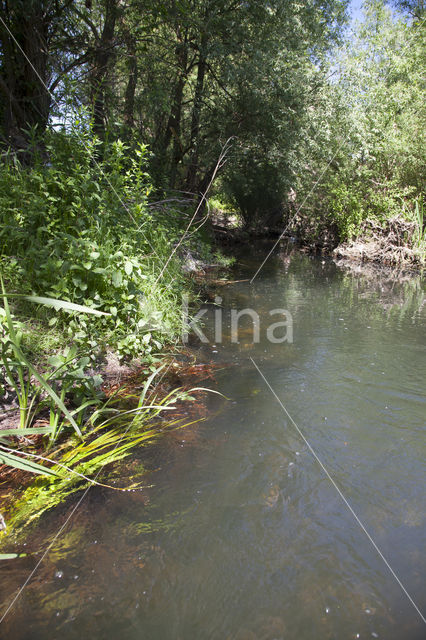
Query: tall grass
[[19, 371]]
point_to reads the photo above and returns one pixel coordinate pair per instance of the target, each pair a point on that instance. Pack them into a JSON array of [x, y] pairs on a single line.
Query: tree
[[366, 151], [26, 30], [415, 8], [182, 76]]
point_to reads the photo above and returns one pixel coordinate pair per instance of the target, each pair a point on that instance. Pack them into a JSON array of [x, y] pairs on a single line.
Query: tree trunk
[[173, 129], [129, 98], [101, 59], [24, 73], [191, 179]]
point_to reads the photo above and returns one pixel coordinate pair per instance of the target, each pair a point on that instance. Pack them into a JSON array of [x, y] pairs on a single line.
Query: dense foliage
[[80, 229], [82, 251], [366, 136], [181, 77], [306, 110]]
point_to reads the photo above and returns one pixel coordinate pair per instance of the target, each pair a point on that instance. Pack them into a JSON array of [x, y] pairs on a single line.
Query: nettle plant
[[72, 380], [79, 228]]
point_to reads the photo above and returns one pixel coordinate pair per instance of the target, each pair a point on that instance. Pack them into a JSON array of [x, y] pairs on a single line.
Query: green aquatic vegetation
[[166, 524], [45, 493], [9, 458], [110, 435], [76, 468], [222, 260]]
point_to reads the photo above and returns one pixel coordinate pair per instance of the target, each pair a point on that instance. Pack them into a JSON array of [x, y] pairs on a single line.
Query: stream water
[[242, 535]]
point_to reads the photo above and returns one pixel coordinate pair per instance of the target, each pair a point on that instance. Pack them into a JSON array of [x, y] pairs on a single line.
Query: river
[[242, 533]]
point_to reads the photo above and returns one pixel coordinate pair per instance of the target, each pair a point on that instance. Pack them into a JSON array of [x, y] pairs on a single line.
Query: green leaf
[[25, 465], [25, 432], [65, 305], [56, 399], [117, 278], [128, 268]]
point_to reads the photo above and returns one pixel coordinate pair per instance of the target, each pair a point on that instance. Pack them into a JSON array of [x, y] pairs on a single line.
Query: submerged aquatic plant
[[73, 466], [110, 434]]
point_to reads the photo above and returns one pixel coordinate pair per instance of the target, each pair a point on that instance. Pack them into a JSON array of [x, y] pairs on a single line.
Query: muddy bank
[[395, 243]]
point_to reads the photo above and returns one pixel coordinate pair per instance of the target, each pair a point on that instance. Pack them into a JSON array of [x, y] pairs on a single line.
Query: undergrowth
[[80, 228], [81, 250]]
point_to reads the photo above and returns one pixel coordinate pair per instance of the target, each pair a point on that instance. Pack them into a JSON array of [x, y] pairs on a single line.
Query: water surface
[[242, 536]]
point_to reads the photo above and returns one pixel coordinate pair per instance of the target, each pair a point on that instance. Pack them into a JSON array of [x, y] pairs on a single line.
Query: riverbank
[[93, 275], [119, 404], [395, 242]]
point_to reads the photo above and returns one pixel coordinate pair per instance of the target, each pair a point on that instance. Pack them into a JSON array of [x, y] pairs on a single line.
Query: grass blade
[[28, 431], [56, 399], [65, 305], [56, 303], [25, 465]]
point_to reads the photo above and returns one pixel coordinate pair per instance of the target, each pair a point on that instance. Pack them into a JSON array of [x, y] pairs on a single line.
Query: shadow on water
[[239, 535]]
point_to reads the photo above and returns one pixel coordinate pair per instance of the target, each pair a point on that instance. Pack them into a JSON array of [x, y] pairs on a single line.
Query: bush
[[79, 228]]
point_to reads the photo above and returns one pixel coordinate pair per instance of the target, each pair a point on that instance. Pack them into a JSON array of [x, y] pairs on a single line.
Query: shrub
[[79, 228]]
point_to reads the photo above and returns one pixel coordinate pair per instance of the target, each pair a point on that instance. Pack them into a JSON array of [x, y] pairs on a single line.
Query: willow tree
[[365, 153], [212, 69]]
